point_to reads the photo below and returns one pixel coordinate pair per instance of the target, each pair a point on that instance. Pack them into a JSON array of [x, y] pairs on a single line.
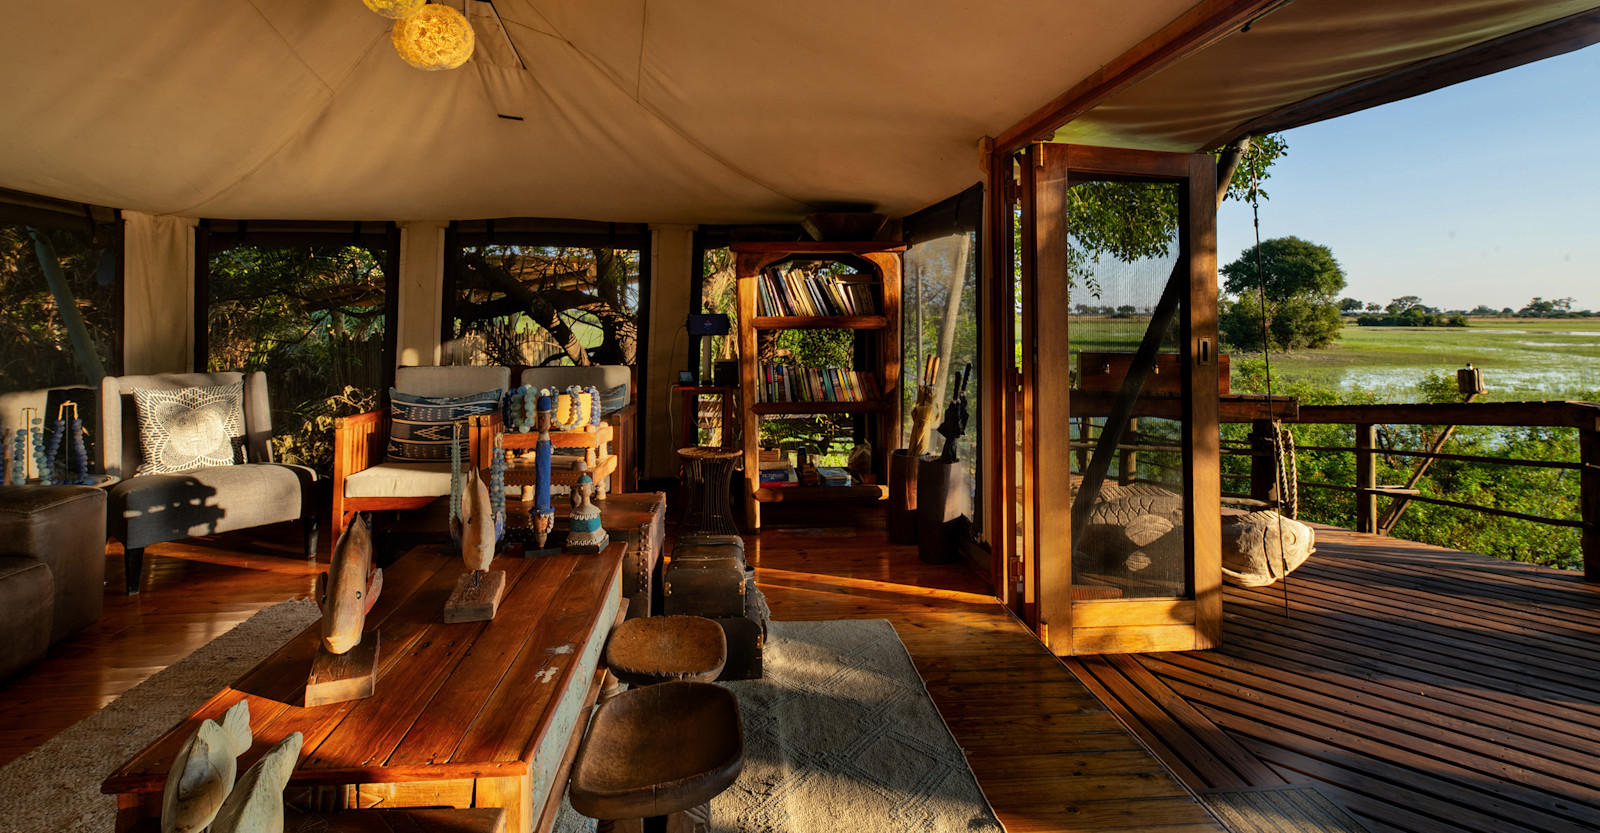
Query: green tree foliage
[[1302, 281], [35, 349], [536, 304], [1544, 492], [1350, 305], [312, 318]]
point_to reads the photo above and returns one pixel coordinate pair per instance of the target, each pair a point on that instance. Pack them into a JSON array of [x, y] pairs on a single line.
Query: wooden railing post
[[1366, 478], [1128, 469], [1264, 461], [1589, 499]]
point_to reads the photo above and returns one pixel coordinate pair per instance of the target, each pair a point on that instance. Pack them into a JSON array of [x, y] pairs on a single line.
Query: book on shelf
[[788, 383], [782, 474], [791, 292], [833, 476]]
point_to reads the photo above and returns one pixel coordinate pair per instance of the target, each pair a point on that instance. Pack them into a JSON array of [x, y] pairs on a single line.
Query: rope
[[1288, 474], [1266, 357]]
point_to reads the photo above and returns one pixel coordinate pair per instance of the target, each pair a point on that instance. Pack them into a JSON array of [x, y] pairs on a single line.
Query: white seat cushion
[[400, 480]]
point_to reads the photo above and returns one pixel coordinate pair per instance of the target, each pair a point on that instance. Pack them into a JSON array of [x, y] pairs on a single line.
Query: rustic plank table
[[478, 714]]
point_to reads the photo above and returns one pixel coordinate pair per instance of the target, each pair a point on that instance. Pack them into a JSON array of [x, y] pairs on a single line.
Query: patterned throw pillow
[[421, 427], [190, 428]]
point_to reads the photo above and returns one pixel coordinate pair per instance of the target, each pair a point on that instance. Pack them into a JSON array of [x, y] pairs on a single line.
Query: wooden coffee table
[[478, 714]]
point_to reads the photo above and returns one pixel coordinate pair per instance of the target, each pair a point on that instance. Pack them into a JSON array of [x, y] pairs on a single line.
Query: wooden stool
[[660, 649], [708, 474], [655, 751]]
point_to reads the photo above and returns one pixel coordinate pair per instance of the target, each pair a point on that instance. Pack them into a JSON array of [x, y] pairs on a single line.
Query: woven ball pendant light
[[395, 8], [436, 37]]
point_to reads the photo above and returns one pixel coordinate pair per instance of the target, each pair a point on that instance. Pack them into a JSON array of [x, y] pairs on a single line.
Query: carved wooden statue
[[256, 803], [955, 417], [584, 533], [346, 664], [476, 597], [203, 771]]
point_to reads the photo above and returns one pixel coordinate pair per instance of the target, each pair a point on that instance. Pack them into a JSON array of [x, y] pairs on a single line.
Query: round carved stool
[[659, 649], [651, 752]]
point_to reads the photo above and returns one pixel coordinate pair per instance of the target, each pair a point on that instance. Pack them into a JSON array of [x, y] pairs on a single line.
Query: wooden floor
[[1423, 689], [1049, 756]]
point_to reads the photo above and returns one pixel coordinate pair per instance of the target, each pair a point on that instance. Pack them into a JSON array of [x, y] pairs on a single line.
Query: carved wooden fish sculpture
[[477, 523], [256, 803], [203, 771], [348, 590]]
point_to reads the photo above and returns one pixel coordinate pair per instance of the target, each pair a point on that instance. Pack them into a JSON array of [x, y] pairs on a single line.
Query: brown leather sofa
[[52, 567]]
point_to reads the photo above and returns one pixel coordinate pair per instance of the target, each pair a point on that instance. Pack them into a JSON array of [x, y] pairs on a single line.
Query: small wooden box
[[1104, 371]]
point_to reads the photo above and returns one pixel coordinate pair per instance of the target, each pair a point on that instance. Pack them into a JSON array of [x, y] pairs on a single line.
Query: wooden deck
[[1423, 689]]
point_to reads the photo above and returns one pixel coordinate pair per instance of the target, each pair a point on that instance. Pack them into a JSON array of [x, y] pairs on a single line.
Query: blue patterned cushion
[[614, 399], [421, 427], [190, 428]]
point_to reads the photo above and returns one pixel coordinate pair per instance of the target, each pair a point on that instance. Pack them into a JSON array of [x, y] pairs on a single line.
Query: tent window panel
[[41, 345], [545, 305], [939, 317], [313, 318]]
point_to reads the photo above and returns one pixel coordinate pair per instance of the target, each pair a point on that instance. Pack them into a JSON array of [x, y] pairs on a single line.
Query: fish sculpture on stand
[[203, 771], [256, 803], [476, 597], [345, 667]]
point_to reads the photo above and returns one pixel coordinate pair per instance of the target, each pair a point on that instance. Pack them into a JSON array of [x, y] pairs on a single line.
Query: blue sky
[[1487, 192]]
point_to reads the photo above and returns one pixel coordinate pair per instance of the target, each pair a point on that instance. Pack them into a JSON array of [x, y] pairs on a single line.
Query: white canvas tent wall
[[669, 113]]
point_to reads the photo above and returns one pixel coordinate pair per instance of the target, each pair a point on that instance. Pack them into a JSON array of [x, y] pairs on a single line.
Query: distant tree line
[[1409, 311]]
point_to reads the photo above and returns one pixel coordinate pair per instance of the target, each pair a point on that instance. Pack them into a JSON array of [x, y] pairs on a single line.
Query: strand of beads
[[455, 471], [594, 406], [79, 453], [19, 457], [497, 486], [48, 469], [38, 451]]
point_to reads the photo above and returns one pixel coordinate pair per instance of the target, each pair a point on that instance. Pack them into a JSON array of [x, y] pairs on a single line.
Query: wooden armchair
[[620, 444], [365, 480]]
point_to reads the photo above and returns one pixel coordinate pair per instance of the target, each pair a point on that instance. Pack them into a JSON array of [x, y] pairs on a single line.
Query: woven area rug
[[841, 735], [56, 787]]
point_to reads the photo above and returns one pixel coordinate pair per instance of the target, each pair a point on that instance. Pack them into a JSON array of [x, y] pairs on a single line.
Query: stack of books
[[792, 293], [832, 476], [779, 473], [784, 383]]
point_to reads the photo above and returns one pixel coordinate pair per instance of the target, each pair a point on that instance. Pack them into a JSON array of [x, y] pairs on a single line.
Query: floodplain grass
[[1522, 359]]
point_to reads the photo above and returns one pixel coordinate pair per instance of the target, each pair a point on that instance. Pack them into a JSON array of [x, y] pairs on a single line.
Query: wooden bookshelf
[[877, 337], [868, 407], [820, 322]]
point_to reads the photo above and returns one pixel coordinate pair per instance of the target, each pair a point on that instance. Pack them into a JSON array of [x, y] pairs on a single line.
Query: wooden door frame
[[1123, 625]]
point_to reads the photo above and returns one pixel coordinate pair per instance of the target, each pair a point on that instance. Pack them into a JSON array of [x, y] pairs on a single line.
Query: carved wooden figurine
[[256, 803], [203, 771], [346, 665], [478, 591], [544, 513], [584, 533]]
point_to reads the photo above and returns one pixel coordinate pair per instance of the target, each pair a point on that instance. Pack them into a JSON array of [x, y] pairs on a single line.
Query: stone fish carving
[[1251, 553], [203, 771], [256, 803]]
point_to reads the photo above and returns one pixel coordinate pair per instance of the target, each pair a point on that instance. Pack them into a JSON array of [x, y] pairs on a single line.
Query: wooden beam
[[1207, 22], [1546, 414], [1556, 37]]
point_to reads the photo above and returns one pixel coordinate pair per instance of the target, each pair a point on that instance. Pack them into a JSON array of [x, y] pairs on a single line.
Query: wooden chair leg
[[133, 565], [309, 526]]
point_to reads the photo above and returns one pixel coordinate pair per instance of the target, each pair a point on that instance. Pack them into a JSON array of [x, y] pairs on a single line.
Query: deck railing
[[1584, 417]]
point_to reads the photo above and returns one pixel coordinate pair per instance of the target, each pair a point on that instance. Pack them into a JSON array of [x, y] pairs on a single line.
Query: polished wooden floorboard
[[1047, 753], [194, 591], [1423, 689], [1049, 756]]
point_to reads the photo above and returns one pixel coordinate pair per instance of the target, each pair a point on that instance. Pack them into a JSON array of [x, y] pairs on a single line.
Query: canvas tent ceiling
[[695, 111]]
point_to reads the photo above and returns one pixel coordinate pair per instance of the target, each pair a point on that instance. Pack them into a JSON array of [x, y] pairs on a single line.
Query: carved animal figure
[[256, 803], [203, 771], [477, 523], [1140, 525], [349, 589], [1253, 555]]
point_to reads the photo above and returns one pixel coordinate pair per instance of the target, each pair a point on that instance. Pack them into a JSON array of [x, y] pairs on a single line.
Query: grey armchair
[[144, 509]]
